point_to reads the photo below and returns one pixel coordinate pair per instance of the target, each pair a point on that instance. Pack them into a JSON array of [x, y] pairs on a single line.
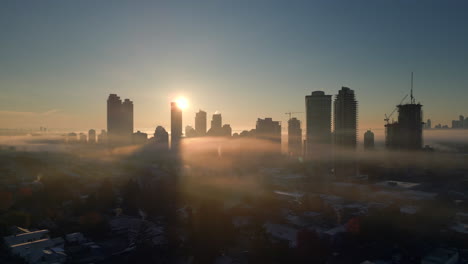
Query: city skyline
[[181, 51]]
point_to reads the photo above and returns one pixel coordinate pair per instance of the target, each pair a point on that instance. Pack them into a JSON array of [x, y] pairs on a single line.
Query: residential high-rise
[[200, 123], [428, 124], [216, 122], [176, 125], [294, 137], [268, 129], [318, 123], [161, 137], [139, 138], [216, 129], [190, 131], [83, 138], [127, 115], [345, 119], [369, 140], [226, 130], [102, 138], [406, 133], [119, 120], [92, 136]]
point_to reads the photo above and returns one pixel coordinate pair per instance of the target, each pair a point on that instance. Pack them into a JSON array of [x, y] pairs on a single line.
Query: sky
[[59, 60]]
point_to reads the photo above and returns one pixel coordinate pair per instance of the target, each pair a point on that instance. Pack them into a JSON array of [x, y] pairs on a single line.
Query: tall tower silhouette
[[176, 125], [119, 120], [345, 119], [318, 123]]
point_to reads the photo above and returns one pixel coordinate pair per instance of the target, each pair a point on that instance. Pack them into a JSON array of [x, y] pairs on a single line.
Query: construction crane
[[290, 113], [387, 118]]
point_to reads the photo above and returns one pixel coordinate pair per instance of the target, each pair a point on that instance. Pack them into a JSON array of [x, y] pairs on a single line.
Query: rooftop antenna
[[412, 98]]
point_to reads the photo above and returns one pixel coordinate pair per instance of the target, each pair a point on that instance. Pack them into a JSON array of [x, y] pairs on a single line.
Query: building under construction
[[406, 133]]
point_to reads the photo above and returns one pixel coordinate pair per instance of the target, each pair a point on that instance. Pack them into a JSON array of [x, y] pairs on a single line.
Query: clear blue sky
[[59, 60]]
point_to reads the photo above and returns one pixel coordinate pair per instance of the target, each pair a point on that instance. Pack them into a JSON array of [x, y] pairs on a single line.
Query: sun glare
[[182, 102]]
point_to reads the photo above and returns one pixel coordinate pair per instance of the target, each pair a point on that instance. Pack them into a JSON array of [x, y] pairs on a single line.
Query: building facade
[[318, 123], [200, 123], [345, 119], [294, 137], [119, 120], [176, 125]]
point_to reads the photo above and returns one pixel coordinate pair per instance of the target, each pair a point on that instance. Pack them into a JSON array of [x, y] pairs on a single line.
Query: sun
[[182, 103]]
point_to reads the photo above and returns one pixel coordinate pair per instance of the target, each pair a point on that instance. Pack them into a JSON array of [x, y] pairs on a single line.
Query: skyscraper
[[119, 120], [127, 116], [428, 124], [103, 138], [226, 130], [318, 123], [176, 125], [139, 138], [406, 134], [200, 123], [161, 137], [294, 137], [368, 140], [216, 122], [216, 129], [190, 131], [345, 119], [268, 129], [92, 136]]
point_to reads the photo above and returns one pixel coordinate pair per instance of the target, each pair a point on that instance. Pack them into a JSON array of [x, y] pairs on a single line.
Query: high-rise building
[[294, 137], [190, 132], [176, 125], [406, 133], [127, 115], [102, 138], [268, 129], [318, 123], [119, 120], [345, 119], [216, 122], [369, 140], [92, 136], [216, 129], [83, 138], [200, 123], [139, 138], [161, 137], [428, 124], [226, 130]]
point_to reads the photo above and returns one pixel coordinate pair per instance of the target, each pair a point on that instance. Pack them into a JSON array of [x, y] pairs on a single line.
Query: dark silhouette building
[[267, 129], [216, 121], [83, 138], [226, 130], [345, 119], [161, 137], [176, 125], [102, 138], [318, 123], [119, 120], [139, 138], [369, 140], [406, 133], [216, 129], [190, 132], [200, 123], [294, 137], [92, 136], [428, 124]]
